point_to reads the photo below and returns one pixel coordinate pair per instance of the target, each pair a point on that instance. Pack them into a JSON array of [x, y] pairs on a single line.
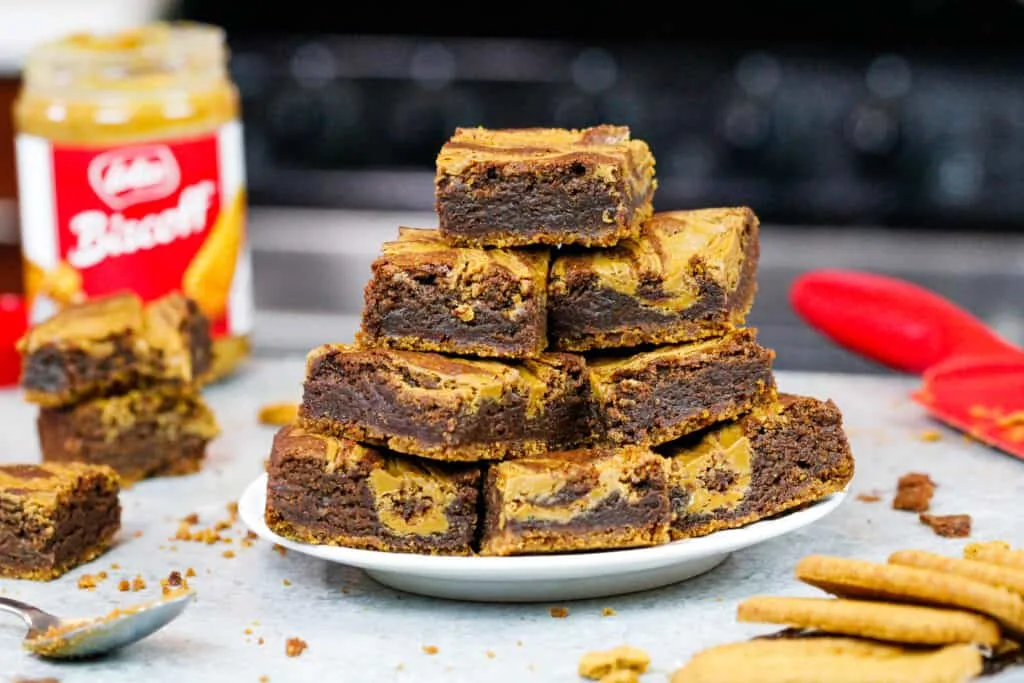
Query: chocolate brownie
[[577, 500], [514, 187], [776, 458], [54, 518], [111, 344], [140, 434], [427, 296], [446, 408], [656, 396], [690, 275], [337, 492]]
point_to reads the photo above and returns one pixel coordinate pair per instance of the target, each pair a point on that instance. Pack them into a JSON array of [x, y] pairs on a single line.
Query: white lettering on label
[[100, 236], [123, 177]]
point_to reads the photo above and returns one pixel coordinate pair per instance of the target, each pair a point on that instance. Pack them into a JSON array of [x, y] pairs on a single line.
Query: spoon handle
[[35, 618]]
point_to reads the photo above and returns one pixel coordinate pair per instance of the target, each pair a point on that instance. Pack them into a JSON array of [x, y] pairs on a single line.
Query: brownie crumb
[[260, 641], [930, 435], [948, 526], [36, 680], [430, 649], [914, 492], [559, 612], [174, 578], [868, 497], [293, 647], [608, 612]]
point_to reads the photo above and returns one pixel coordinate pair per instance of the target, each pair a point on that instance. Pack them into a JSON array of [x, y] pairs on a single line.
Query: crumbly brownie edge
[[297, 488], [404, 313], [519, 211], [590, 317], [613, 523], [796, 463], [54, 376], [357, 401], [200, 340], [686, 396], [83, 529]]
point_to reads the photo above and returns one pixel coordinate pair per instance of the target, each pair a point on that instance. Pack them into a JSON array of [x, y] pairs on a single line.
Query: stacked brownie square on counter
[[117, 384], [555, 368]]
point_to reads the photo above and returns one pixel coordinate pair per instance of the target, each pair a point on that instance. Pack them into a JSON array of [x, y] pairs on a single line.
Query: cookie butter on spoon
[[131, 176]]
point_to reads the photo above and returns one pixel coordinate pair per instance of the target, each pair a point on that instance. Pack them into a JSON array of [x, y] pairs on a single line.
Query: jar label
[[151, 218]]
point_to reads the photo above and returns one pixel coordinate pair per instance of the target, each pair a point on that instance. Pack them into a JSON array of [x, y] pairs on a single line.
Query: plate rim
[[251, 506]]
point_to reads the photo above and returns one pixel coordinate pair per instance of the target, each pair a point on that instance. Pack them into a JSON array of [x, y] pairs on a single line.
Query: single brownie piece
[[656, 396], [337, 492], [515, 187], [446, 408], [140, 434], [54, 518], [584, 499], [690, 275], [427, 296], [776, 458], [112, 344]]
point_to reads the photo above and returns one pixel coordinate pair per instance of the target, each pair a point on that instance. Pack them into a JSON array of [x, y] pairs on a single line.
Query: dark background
[[906, 114]]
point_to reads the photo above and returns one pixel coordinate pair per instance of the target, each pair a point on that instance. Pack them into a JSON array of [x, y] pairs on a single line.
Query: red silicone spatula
[[973, 379]]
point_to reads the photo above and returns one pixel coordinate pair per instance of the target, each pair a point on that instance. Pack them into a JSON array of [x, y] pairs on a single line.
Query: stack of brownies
[[557, 368], [116, 382]]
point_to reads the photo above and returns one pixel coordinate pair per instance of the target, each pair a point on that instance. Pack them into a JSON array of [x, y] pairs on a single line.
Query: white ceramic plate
[[541, 578]]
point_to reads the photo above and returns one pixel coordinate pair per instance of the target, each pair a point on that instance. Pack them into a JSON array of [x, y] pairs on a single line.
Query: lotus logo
[[124, 177]]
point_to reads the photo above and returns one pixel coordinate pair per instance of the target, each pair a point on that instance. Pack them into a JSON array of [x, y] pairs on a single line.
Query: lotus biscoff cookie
[[829, 660], [992, 574], [898, 623], [861, 579], [995, 552]]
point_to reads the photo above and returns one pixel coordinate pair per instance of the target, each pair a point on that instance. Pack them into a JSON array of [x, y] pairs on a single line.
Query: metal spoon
[[55, 638]]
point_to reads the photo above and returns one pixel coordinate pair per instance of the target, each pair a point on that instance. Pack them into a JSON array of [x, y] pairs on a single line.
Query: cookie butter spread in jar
[[131, 175]]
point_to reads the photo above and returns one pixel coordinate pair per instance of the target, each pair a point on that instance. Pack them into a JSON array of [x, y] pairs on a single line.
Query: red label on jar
[[150, 218]]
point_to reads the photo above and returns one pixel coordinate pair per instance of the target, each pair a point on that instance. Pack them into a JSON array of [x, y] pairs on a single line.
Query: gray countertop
[[249, 604]]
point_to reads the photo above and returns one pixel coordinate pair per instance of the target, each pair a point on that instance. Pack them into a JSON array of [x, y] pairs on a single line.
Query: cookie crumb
[[138, 534], [293, 647], [286, 582], [601, 665], [930, 435], [559, 612], [430, 649], [228, 554], [88, 582], [948, 526], [190, 572], [608, 612], [869, 497], [260, 641], [138, 584], [190, 519], [115, 565], [490, 654], [124, 585], [278, 414], [264, 679], [914, 492], [280, 550]]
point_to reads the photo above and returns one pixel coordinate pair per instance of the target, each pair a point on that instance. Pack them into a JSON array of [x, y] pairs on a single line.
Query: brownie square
[[688, 276], [427, 296], [54, 518], [112, 344], [587, 499], [140, 434], [332, 491], [443, 407], [515, 187], [776, 458], [656, 396]]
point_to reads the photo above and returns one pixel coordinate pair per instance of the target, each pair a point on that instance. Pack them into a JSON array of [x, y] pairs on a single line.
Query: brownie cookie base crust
[[446, 408], [140, 434], [503, 188], [588, 312], [54, 518], [770, 461], [337, 492], [590, 499], [427, 296], [654, 397]]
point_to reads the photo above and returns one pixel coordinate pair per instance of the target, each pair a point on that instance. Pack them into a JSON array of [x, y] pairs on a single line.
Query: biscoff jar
[[131, 176]]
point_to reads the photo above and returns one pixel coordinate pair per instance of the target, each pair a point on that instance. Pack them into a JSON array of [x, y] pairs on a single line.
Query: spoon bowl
[[54, 638]]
